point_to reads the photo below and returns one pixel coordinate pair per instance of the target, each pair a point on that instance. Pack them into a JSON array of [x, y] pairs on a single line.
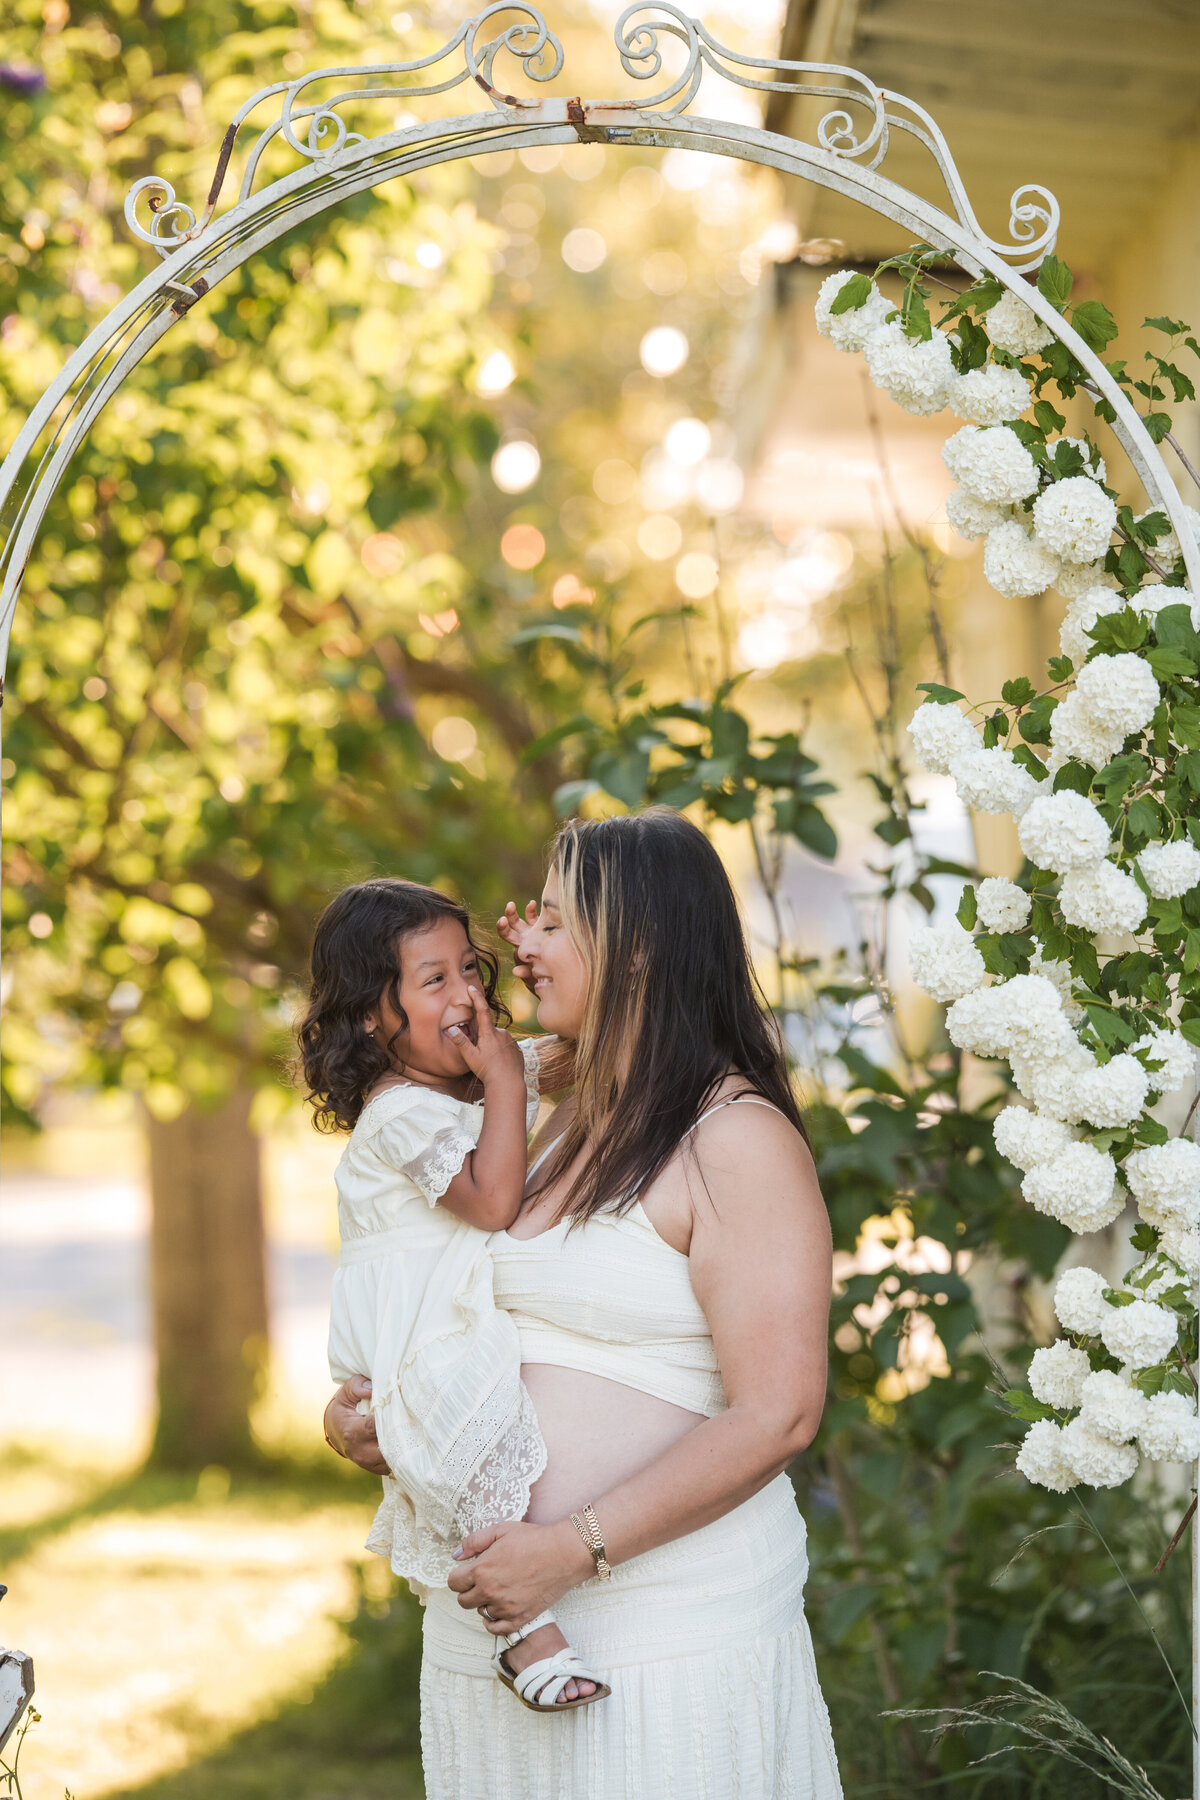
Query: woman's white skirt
[[715, 1692]]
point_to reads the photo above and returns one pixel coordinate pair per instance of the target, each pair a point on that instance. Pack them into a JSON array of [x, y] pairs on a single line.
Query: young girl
[[400, 1048]]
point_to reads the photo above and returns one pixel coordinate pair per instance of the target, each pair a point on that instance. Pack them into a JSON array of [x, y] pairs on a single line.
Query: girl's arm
[[760, 1263], [487, 1190]]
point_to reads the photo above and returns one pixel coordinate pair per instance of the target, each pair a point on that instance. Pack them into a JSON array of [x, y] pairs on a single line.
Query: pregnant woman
[[669, 1276]]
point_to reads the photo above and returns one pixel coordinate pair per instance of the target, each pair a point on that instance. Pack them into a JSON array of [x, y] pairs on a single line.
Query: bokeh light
[[719, 485], [659, 536], [614, 481], [383, 554], [438, 625], [516, 466], [568, 590], [522, 546], [496, 373], [40, 925], [696, 575], [583, 249], [663, 350], [688, 442], [454, 738]]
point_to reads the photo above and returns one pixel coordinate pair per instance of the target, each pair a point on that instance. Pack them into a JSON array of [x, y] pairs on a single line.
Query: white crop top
[[611, 1297]]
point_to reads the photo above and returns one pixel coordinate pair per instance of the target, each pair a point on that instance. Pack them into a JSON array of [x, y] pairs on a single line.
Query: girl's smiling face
[[560, 974], [437, 966]]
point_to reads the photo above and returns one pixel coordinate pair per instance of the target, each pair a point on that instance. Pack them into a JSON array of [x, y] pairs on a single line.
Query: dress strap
[[737, 1100]]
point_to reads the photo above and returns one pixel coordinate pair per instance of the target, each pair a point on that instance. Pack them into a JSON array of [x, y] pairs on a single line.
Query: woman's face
[[560, 977], [437, 966]]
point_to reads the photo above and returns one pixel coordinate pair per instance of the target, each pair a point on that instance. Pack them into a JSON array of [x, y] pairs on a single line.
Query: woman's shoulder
[[738, 1119]]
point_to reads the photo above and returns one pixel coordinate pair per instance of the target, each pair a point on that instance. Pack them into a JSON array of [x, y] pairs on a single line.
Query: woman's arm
[[762, 1270]]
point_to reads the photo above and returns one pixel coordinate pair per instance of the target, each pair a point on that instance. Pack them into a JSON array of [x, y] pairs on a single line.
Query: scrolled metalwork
[[163, 207]]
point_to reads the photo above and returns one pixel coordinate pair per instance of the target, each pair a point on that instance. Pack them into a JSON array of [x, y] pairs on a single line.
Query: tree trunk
[[209, 1280]]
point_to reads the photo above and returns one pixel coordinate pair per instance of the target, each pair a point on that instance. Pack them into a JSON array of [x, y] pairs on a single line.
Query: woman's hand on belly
[[518, 1570]]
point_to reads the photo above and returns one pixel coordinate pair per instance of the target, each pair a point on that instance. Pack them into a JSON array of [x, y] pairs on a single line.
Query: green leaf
[[1055, 282], [1023, 1406], [852, 294], [1094, 323], [813, 830], [1018, 692], [570, 796], [937, 692], [1172, 327], [968, 910], [1048, 418], [1157, 424], [1167, 662], [548, 739]]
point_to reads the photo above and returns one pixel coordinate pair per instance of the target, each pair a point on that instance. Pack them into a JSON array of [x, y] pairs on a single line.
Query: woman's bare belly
[[597, 1433]]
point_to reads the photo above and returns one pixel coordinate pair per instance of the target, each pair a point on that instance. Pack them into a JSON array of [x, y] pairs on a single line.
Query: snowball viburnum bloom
[[1079, 1302], [1075, 519], [972, 518], [1015, 565], [1078, 1187], [1164, 1179], [1002, 905], [1052, 1082], [1183, 1247], [1167, 549], [1119, 692], [1140, 1334], [849, 330], [991, 395], [1064, 831], [1111, 1405], [1170, 869], [1079, 618], [944, 961], [992, 467], [1172, 1050], [1027, 1138], [1076, 736], [1170, 1431], [1042, 1458], [1015, 328], [1114, 1093], [940, 733], [1102, 898], [1076, 579], [993, 781], [1096, 1460], [1057, 1375], [917, 374]]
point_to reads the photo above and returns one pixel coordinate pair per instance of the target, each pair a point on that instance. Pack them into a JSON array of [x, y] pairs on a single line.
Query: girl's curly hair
[[356, 962]]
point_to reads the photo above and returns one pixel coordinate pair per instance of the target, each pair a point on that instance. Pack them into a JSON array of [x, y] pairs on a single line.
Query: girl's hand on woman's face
[[512, 929], [518, 1570]]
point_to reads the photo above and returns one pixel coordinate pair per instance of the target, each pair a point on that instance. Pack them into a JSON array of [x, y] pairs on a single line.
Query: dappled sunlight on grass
[[173, 1621]]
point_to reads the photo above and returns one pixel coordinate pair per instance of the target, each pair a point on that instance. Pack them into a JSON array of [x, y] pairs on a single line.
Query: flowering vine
[[1084, 973]]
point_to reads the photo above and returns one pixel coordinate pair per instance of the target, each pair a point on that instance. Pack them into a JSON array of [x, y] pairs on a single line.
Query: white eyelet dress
[[704, 1640], [413, 1308]]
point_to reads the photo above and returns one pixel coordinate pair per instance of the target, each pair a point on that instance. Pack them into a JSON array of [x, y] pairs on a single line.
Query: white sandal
[[545, 1680]]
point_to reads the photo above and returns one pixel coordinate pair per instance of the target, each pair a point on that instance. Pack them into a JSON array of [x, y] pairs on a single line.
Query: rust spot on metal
[[179, 306]]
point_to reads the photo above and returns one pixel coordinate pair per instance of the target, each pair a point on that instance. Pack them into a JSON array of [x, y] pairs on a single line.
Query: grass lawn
[[201, 1637]]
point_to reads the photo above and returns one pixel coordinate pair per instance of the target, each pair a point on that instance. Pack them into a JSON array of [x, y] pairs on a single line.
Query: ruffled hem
[[746, 1724]]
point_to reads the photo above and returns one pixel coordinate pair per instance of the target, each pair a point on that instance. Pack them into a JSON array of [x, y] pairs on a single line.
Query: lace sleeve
[[435, 1166], [533, 1075], [425, 1137]]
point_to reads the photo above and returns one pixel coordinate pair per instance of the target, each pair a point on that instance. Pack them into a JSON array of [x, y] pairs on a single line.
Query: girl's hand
[[488, 1053], [512, 929], [518, 1570]]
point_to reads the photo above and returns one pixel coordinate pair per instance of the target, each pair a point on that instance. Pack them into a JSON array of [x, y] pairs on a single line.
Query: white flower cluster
[[1042, 527], [1167, 549], [1001, 905], [1015, 563], [1170, 869], [1015, 328], [944, 961], [1075, 519]]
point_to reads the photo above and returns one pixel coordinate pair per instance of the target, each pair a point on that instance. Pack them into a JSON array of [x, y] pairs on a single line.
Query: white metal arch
[[852, 142]]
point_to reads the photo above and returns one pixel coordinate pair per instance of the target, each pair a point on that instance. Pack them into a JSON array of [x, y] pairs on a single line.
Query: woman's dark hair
[[356, 962], [673, 1006]]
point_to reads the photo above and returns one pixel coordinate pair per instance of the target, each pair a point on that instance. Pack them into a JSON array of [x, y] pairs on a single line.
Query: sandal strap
[[523, 1631], [544, 1681]]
